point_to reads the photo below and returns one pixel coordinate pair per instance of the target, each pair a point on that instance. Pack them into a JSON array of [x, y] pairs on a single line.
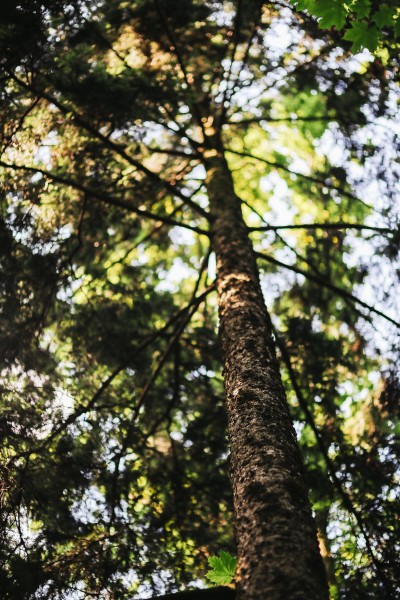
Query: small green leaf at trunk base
[[222, 568]]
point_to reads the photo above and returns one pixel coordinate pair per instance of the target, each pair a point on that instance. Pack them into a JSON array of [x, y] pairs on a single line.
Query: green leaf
[[330, 13], [362, 8], [222, 568], [308, 5], [333, 14], [384, 16], [362, 36]]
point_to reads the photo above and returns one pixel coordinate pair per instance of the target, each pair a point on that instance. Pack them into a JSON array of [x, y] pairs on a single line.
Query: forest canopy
[[115, 458]]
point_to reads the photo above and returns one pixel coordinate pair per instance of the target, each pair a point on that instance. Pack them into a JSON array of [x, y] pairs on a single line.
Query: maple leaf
[[223, 568], [362, 8], [308, 5], [332, 14], [384, 16], [362, 36]]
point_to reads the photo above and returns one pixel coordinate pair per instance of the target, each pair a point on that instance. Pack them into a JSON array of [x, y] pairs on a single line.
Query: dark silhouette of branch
[[20, 123], [347, 300], [328, 285], [91, 404], [92, 26], [343, 494], [281, 120], [326, 226], [179, 328], [69, 112], [103, 197], [172, 152], [246, 55], [282, 167], [174, 46], [228, 74], [174, 398]]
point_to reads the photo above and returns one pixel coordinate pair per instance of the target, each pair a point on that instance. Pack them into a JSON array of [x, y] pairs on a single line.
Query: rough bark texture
[[278, 555]]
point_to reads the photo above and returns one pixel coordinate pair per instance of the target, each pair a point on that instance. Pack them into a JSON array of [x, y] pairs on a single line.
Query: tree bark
[[278, 555]]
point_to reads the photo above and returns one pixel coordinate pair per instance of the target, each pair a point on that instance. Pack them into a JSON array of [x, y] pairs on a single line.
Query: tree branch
[[216, 593], [75, 117], [339, 225], [227, 75], [281, 120], [143, 396], [104, 197], [343, 494], [91, 404], [327, 284], [181, 62], [278, 165]]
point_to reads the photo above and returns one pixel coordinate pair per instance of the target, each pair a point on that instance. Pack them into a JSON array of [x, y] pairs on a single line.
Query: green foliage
[[114, 461], [365, 24], [362, 35], [223, 568]]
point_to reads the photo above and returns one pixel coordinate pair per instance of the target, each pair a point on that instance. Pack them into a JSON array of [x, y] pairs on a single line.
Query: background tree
[[115, 476]]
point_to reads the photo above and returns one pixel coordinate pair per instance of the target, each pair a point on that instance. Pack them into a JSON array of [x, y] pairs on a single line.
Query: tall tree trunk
[[278, 555]]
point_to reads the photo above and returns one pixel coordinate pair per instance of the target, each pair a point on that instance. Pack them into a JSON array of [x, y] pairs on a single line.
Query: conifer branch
[[228, 74], [343, 494], [202, 270], [325, 226], [236, 86], [124, 61], [179, 328], [192, 305], [20, 123], [327, 284], [175, 48], [283, 167], [75, 117], [294, 119], [67, 181]]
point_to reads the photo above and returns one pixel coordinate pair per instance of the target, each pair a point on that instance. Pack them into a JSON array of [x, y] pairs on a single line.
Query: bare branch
[[228, 74]]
